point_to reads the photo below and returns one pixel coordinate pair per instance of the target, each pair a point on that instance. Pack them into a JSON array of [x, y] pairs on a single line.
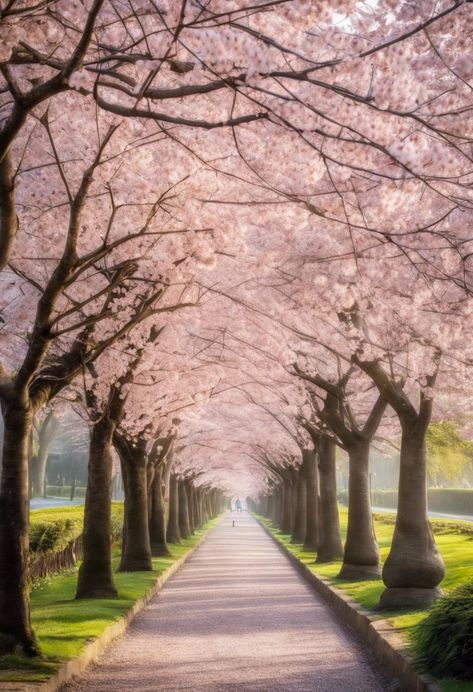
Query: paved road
[[237, 616], [43, 503]]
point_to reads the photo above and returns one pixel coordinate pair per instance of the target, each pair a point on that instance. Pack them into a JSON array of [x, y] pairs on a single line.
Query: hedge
[[56, 538], [448, 500]]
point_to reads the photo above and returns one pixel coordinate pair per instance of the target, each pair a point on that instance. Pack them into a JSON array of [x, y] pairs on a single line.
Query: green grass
[[456, 550], [64, 625]]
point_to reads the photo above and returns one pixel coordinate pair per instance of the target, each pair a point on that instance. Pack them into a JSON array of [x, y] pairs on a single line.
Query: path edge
[[380, 636], [91, 652]]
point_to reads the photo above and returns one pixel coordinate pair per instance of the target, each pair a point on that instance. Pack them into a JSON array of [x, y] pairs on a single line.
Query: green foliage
[[450, 456], [52, 529], [443, 642], [51, 537]]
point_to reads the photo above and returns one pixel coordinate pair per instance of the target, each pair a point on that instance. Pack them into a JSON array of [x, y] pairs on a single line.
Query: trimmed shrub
[[443, 642], [56, 538]]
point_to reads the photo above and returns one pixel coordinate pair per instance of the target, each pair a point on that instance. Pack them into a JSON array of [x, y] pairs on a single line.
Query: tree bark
[[330, 540], [174, 535], [414, 567], [158, 516], [361, 554], [287, 525], [198, 507], [136, 548], [300, 523], [8, 218], [184, 524], [312, 499], [95, 573], [190, 501], [16, 631]]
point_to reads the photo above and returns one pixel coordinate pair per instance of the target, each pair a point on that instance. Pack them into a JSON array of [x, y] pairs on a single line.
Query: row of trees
[[170, 176]]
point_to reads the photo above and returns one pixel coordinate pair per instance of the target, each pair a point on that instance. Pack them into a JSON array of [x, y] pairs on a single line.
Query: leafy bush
[[443, 642], [50, 537], [55, 537]]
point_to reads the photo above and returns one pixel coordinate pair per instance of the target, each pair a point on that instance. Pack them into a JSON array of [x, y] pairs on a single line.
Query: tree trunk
[[158, 516], [38, 473], [184, 524], [361, 555], [198, 507], [190, 501], [288, 511], [95, 573], [300, 523], [312, 502], [414, 567], [174, 535], [8, 213], [136, 548], [38, 467], [196, 503], [16, 631], [330, 540]]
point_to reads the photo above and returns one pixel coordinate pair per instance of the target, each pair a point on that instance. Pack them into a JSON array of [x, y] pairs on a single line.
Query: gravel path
[[236, 616]]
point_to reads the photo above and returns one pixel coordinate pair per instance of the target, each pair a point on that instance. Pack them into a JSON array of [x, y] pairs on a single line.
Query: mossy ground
[[456, 550], [64, 625]]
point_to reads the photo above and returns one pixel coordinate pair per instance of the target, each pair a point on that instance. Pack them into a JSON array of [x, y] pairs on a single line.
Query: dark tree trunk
[[330, 540], [361, 555], [158, 516], [205, 506], [300, 523], [279, 507], [174, 535], [190, 502], [288, 511], [184, 524], [95, 573], [198, 507], [414, 567], [16, 631], [312, 476], [136, 548]]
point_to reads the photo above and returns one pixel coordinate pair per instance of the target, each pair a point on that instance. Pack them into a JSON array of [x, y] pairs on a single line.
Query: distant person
[[238, 506]]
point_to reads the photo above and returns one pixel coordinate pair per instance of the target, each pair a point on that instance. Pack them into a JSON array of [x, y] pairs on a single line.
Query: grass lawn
[[64, 625], [456, 550]]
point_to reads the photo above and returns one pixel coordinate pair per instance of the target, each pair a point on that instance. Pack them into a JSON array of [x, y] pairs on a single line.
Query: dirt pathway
[[236, 616]]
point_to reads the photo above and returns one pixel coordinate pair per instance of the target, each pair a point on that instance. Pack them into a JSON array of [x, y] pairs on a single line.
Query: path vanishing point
[[237, 616]]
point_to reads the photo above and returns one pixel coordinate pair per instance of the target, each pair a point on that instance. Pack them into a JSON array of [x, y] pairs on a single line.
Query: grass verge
[[64, 626], [456, 549]]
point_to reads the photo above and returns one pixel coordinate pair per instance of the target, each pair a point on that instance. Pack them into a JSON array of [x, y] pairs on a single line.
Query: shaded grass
[[457, 552], [64, 626]]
